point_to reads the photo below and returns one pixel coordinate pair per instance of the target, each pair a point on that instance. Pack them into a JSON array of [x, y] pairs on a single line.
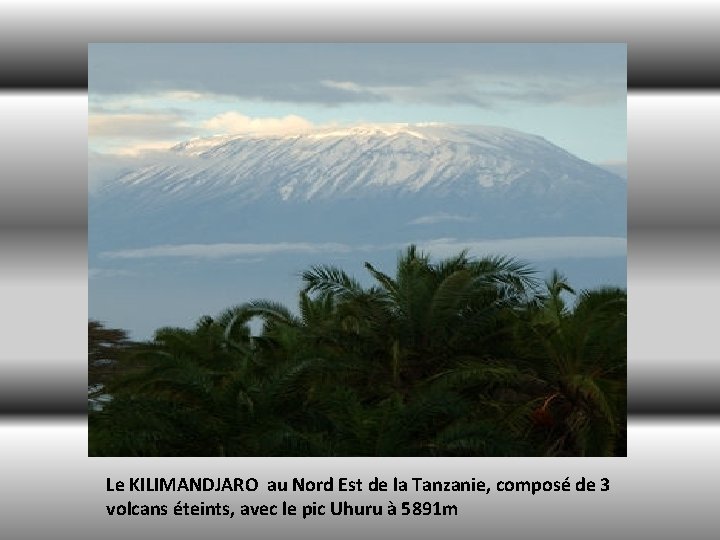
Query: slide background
[[666, 488]]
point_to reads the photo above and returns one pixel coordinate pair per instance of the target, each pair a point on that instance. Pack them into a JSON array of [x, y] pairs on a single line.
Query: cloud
[[349, 91], [216, 251], [443, 92], [534, 248], [142, 148], [248, 260], [184, 95], [441, 217], [539, 248], [490, 90], [160, 102], [113, 150], [135, 133], [347, 86], [138, 125], [234, 122], [294, 72], [94, 273]]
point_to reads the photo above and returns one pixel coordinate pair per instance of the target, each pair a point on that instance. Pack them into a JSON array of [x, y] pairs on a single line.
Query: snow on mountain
[[360, 183], [273, 206], [360, 161]]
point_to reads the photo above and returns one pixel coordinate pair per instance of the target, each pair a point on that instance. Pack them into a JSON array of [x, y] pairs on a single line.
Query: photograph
[[357, 249]]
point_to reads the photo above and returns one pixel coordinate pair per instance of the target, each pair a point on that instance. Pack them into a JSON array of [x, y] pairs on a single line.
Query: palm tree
[[212, 390], [580, 354], [441, 320], [429, 313], [463, 357], [181, 398], [105, 347]]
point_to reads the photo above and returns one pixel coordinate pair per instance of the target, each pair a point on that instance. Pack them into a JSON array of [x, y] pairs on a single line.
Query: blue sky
[[145, 97]]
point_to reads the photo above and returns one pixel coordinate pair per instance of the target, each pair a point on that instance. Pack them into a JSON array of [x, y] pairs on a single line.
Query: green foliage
[[463, 357], [105, 347]]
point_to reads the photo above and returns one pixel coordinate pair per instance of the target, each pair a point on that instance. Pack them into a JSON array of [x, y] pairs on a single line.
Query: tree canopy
[[460, 357]]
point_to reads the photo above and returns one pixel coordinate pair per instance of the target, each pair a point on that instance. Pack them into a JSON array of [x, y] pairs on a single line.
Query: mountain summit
[[506, 181], [359, 161]]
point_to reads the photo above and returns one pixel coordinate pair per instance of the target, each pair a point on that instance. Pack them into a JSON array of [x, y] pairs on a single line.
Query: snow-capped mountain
[[363, 161], [221, 220], [500, 181]]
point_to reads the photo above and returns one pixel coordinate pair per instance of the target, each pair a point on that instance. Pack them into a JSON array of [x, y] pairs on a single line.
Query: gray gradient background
[[666, 488]]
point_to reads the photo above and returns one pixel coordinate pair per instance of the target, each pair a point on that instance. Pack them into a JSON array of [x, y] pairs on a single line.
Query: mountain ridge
[[490, 181], [355, 162]]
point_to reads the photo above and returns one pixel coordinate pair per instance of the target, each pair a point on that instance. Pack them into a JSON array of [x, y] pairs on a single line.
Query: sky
[[148, 97], [145, 98]]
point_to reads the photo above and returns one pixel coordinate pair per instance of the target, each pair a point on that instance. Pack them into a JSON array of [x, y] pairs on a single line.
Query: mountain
[[362, 161], [222, 220], [506, 181]]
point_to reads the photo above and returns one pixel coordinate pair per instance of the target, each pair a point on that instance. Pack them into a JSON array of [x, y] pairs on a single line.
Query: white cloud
[[131, 134], [234, 122], [136, 124], [216, 251], [94, 273], [185, 95], [348, 86], [438, 218], [141, 148], [119, 103], [535, 248], [491, 90], [539, 248]]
